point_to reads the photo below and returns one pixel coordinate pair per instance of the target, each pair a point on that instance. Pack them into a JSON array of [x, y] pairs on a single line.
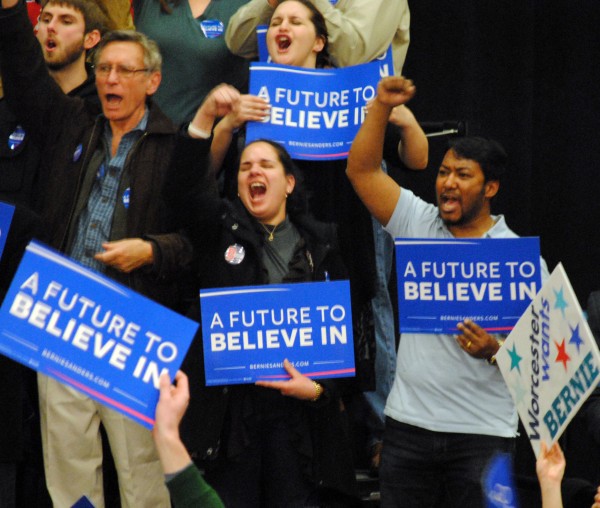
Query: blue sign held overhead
[[248, 331], [315, 113]]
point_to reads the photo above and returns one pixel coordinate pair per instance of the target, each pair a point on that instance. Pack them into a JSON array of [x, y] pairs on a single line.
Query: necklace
[[270, 232]]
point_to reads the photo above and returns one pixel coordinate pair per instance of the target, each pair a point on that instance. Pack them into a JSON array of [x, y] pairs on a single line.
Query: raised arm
[[249, 108], [221, 101], [413, 148], [190, 189], [28, 88], [376, 189], [240, 36], [186, 485], [550, 468], [170, 409], [120, 13]]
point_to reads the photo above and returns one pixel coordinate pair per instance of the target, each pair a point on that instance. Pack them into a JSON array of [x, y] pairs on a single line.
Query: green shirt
[[193, 64], [189, 489]]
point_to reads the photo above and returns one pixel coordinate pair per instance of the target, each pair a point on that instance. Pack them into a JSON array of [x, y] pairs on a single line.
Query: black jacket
[[68, 131], [214, 225]]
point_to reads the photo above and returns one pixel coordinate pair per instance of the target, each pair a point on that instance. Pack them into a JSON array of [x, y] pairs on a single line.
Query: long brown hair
[[318, 21]]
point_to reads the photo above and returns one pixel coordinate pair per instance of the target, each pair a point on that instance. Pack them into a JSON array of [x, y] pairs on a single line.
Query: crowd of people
[[125, 149]]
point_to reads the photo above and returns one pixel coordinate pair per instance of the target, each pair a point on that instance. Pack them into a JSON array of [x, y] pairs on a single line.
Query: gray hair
[[152, 57]]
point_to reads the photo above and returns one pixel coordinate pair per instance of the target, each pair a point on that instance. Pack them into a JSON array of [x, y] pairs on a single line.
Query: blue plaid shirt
[[95, 221]]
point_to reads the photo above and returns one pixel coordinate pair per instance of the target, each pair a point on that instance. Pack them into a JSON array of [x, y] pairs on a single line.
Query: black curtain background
[[523, 72]]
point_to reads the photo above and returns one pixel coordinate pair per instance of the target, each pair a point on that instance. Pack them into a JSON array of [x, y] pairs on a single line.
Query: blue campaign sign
[[261, 38], [89, 332], [6, 214], [386, 63], [441, 282], [248, 331], [315, 113]]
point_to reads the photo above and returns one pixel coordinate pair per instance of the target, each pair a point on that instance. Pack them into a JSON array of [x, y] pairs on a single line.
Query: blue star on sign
[[515, 359], [575, 337], [560, 301]]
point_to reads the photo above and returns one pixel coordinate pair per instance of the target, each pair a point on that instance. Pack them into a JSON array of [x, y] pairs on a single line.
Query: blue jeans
[[421, 468], [385, 338]]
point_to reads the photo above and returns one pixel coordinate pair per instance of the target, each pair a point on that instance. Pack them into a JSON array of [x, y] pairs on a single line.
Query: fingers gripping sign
[[299, 386], [475, 341]]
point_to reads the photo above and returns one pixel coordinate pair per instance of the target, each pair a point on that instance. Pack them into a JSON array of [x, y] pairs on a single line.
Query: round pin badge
[[16, 138], [77, 153], [126, 195], [212, 28], [235, 254]]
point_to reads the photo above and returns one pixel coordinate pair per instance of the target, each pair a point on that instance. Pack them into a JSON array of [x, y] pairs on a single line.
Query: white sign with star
[[550, 361]]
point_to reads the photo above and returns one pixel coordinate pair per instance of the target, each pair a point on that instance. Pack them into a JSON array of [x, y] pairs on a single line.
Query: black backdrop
[[523, 72]]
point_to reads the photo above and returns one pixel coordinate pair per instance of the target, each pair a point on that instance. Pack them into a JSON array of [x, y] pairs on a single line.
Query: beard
[[468, 214], [71, 55]]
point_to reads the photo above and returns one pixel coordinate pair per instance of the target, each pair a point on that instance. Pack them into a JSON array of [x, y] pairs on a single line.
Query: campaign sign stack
[[550, 361], [89, 332], [249, 331]]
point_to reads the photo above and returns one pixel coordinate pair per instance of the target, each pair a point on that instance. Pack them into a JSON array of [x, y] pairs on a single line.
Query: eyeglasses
[[103, 70]]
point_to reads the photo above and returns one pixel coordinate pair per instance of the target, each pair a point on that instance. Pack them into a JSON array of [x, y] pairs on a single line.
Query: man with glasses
[[102, 205], [66, 31]]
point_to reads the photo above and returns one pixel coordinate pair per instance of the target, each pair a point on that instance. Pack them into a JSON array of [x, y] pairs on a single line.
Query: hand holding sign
[[475, 341], [550, 468], [299, 386], [172, 404]]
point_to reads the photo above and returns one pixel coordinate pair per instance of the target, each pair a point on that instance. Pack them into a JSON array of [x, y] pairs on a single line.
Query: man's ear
[[491, 188], [90, 39], [153, 83]]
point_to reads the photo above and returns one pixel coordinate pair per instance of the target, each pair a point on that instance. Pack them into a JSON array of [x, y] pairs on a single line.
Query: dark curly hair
[[489, 154]]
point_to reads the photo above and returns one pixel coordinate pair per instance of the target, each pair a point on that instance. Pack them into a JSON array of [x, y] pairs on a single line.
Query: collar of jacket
[[318, 236], [158, 122]]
